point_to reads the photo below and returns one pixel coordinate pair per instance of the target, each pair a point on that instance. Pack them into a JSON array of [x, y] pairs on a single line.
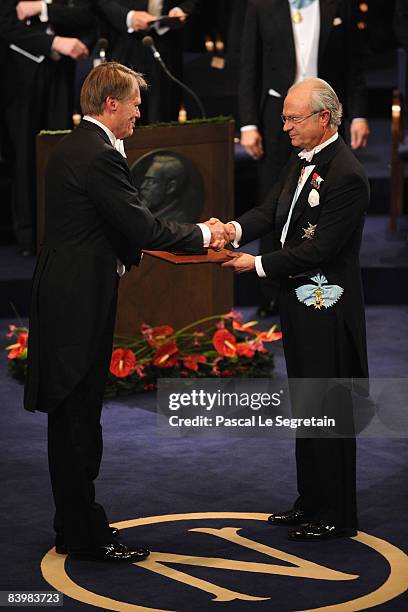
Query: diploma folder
[[210, 256]]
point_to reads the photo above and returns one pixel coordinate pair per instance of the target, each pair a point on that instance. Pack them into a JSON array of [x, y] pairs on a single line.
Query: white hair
[[323, 97]]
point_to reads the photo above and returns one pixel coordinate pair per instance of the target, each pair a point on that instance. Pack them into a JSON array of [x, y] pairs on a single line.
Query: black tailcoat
[[327, 342], [163, 99], [39, 95], [93, 217], [268, 61]]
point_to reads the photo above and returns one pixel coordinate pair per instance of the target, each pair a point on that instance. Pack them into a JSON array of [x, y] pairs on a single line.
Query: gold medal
[[297, 17]]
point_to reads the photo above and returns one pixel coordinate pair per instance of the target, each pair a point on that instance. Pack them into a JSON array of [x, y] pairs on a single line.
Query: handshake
[[225, 233], [221, 233]]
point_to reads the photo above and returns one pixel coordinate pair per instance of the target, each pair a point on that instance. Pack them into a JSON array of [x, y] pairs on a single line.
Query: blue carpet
[[144, 474]]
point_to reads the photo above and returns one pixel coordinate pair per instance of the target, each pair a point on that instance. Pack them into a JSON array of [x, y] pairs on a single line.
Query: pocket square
[[337, 21], [314, 198], [274, 93]]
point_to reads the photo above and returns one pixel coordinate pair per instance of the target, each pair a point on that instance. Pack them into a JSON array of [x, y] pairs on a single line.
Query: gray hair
[[323, 97]]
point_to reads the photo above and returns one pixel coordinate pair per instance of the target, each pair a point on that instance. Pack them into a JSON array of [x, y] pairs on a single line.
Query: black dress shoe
[[115, 552], [62, 549], [291, 517], [319, 531]]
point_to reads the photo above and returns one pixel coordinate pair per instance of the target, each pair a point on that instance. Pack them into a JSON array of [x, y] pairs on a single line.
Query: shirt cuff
[[238, 233], [247, 128], [129, 18], [44, 12], [206, 234], [259, 267]]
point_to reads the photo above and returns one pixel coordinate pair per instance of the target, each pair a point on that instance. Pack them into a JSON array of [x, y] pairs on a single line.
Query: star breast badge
[[321, 295], [309, 231]]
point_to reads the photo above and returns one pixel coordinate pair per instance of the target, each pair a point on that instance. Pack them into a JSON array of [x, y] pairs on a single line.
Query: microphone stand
[[148, 42]]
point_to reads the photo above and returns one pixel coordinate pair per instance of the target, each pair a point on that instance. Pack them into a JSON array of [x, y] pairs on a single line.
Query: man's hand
[[359, 132], [178, 12], [219, 235], [72, 47], [242, 262], [25, 10], [141, 20], [251, 140]]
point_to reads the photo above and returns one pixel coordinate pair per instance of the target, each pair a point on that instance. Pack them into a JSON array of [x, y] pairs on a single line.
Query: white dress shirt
[[306, 36]]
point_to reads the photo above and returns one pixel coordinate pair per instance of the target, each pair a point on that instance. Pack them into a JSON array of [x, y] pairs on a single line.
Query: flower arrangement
[[219, 345]]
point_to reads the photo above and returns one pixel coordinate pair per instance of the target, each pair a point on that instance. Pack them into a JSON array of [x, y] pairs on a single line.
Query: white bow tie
[[307, 155]]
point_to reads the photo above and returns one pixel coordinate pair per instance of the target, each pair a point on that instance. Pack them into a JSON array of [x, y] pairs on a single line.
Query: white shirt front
[[306, 34]]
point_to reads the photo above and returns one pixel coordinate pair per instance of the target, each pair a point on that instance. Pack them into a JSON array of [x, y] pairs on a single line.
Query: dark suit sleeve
[[249, 91], [66, 21], [33, 40], [111, 191], [260, 220], [342, 211], [72, 17], [188, 6]]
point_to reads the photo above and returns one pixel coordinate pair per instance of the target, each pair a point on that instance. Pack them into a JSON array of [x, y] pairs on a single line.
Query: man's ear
[[111, 104], [325, 116]]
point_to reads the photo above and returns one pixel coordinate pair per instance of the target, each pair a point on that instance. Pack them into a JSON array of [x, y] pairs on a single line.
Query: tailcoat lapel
[[322, 161], [286, 195]]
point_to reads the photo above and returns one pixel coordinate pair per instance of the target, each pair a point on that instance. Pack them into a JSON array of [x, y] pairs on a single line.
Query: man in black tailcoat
[[43, 42], [316, 212], [284, 42], [128, 21], [95, 228]]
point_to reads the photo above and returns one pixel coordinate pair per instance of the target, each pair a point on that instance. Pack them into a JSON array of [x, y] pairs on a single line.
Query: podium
[[158, 292]]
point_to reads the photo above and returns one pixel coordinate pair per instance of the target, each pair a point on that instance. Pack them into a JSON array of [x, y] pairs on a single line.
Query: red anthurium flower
[[257, 345], [20, 347], [155, 336], [271, 335], [225, 343], [191, 361], [245, 350], [234, 315], [245, 327], [166, 356], [161, 332], [123, 363]]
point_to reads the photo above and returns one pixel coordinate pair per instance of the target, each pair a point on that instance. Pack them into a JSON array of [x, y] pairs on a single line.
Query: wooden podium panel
[[158, 292]]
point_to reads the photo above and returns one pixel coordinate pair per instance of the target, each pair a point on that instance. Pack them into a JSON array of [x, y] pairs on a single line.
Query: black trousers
[[75, 451], [319, 348]]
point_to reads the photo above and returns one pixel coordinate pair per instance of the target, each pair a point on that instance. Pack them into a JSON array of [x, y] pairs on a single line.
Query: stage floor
[[188, 480]]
